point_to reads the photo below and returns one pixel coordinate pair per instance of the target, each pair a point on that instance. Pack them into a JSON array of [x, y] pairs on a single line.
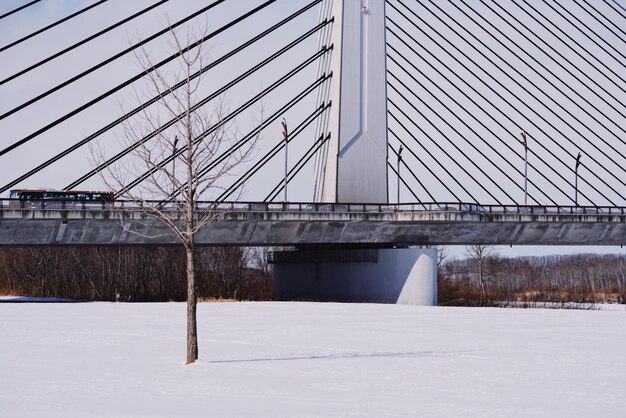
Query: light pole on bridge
[[174, 144], [286, 137], [525, 143], [576, 180], [399, 161]]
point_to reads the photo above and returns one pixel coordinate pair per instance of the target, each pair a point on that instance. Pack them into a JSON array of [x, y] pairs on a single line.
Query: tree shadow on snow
[[387, 354]]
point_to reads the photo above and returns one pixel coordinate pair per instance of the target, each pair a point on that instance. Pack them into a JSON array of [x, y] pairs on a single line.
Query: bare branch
[[191, 143]]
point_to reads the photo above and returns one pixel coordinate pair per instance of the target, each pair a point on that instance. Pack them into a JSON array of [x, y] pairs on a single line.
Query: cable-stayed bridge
[[485, 116]]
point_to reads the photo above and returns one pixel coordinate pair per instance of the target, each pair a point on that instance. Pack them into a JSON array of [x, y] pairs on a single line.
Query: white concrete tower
[[355, 168]]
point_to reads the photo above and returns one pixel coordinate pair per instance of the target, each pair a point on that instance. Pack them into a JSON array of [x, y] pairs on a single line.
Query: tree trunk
[[480, 281], [192, 300]]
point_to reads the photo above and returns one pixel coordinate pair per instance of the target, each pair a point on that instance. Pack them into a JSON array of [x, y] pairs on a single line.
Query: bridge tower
[[355, 169]]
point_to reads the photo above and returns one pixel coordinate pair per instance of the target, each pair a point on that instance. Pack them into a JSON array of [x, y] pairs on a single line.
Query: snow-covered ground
[[31, 299], [310, 359]]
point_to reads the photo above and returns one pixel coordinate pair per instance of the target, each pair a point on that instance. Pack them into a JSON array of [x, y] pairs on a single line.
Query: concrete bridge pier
[[390, 275]]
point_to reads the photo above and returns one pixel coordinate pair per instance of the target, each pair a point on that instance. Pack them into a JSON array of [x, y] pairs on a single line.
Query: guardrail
[[56, 204]]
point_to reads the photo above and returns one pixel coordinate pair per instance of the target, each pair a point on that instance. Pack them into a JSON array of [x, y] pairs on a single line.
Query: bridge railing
[[61, 204], [55, 204]]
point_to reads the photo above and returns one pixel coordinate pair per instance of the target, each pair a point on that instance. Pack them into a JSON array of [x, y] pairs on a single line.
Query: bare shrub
[[130, 274], [582, 279]]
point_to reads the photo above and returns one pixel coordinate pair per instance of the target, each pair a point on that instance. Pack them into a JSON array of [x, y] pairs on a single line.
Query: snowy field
[[308, 359]]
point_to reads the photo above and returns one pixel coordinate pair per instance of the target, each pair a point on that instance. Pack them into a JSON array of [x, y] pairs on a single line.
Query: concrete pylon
[[391, 275], [356, 163], [354, 170]]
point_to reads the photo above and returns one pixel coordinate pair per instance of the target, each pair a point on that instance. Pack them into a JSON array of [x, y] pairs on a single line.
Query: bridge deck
[[323, 224]]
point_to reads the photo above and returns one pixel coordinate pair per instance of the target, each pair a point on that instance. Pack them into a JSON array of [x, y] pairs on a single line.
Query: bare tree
[[479, 253], [442, 257], [257, 259], [175, 157]]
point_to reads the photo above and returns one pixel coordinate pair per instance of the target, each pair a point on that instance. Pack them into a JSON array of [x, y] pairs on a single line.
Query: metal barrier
[[359, 255], [303, 207]]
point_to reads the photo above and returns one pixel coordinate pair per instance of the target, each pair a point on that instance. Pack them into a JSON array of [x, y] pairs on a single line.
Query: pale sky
[[520, 114], [78, 127]]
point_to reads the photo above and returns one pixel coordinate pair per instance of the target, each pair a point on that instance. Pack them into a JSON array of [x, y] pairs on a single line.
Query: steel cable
[[602, 14], [300, 164], [451, 142], [229, 117], [275, 116], [9, 13], [158, 97], [426, 166], [126, 83], [437, 160], [50, 26], [493, 90], [132, 48], [490, 75], [432, 199], [506, 160]]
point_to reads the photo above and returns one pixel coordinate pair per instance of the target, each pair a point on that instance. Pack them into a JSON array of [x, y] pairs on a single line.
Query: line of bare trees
[[143, 274], [485, 278], [138, 274]]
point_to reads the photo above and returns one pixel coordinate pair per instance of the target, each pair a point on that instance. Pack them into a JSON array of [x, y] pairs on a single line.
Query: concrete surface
[[405, 276], [377, 229]]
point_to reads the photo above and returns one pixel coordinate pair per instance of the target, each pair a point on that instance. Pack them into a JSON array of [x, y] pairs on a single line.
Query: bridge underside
[[377, 232]]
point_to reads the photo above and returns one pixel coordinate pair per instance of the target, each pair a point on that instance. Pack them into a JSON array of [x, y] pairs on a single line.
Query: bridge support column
[[355, 168], [398, 275]]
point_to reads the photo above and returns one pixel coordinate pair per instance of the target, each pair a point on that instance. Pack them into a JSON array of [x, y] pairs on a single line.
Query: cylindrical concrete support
[[404, 275], [420, 285]]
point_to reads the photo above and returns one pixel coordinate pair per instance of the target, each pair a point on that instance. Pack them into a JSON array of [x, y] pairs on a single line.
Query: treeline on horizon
[[154, 274], [134, 274], [582, 278]]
